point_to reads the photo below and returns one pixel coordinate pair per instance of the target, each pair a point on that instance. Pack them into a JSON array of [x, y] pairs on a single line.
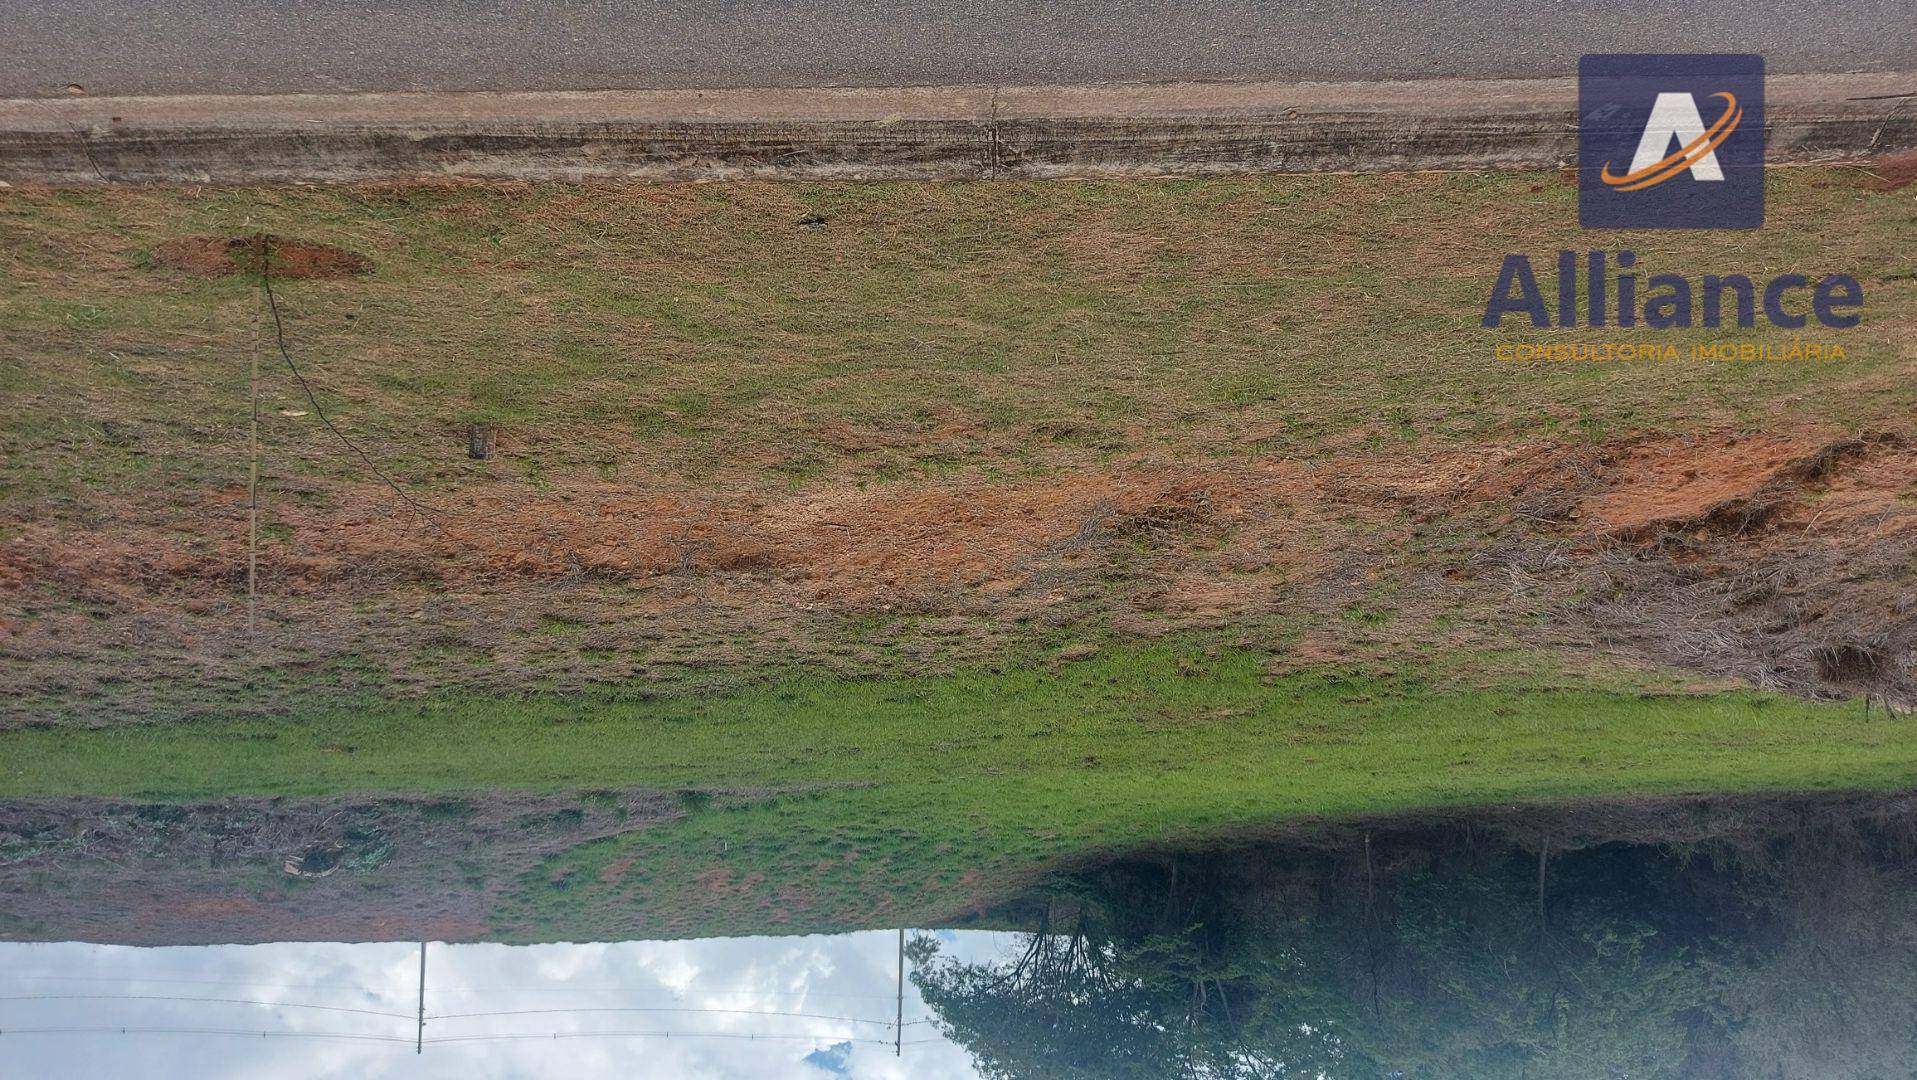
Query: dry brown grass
[[950, 419]]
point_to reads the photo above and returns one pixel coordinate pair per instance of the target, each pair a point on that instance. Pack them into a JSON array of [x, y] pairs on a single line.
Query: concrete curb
[[959, 132]]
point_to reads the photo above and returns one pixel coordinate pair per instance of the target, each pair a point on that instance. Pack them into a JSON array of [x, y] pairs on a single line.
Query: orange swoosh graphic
[[1687, 155]]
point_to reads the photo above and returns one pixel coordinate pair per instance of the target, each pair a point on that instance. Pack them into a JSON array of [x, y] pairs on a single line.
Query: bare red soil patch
[[283, 257], [1661, 484], [1871, 497], [1740, 482], [1783, 561], [1779, 544], [837, 546], [1895, 171]]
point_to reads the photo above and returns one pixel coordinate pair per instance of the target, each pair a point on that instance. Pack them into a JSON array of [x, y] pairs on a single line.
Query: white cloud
[[846, 982]]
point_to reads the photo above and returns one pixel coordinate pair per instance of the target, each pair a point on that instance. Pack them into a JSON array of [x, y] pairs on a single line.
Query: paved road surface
[[290, 46]]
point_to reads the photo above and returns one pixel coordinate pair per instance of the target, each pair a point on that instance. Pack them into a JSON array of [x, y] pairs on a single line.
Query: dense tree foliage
[[1454, 953]]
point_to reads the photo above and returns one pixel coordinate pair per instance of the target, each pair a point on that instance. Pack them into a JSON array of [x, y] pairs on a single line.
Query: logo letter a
[[1675, 116]]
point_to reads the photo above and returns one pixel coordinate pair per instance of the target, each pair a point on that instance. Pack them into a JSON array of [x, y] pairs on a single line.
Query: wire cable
[[430, 990], [740, 1035], [208, 1001], [654, 1009], [639, 990], [209, 982], [348, 1035]]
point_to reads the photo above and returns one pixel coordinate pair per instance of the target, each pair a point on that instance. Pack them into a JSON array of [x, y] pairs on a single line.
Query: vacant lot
[[989, 523], [745, 429]]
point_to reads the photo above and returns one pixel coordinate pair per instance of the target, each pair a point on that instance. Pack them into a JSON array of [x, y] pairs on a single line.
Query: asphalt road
[[291, 46]]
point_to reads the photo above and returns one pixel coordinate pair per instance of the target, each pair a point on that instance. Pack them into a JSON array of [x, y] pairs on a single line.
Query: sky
[[846, 982]]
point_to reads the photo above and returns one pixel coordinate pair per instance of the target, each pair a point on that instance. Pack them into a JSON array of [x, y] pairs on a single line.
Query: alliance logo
[[1646, 157], [1675, 116]]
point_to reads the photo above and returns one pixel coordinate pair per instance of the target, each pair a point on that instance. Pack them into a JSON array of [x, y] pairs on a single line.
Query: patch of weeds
[[18, 849], [559, 625], [606, 802], [448, 810], [366, 850]]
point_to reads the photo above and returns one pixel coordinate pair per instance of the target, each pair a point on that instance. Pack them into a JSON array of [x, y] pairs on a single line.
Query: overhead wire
[[134, 1030], [656, 1009], [738, 1035], [489, 1014], [207, 1001], [208, 982]]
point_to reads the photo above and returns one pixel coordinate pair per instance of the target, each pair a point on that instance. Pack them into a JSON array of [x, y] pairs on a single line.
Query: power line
[[654, 1009], [205, 982], [348, 1036], [448, 1039], [204, 1001], [688, 1010], [394, 991], [373, 1037], [739, 1035], [641, 990], [354, 1036]]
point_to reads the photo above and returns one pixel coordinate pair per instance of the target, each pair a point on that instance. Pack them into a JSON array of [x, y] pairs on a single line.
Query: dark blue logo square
[[1670, 141]]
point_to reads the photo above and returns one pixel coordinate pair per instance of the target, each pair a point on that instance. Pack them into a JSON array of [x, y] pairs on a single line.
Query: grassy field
[[858, 801], [802, 490], [660, 357], [708, 333]]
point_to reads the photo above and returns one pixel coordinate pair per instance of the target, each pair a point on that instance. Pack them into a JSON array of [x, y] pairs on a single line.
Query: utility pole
[[419, 1038], [898, 1020]]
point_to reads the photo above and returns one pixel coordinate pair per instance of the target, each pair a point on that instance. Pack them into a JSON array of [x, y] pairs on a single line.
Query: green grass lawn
[[893, 797]]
